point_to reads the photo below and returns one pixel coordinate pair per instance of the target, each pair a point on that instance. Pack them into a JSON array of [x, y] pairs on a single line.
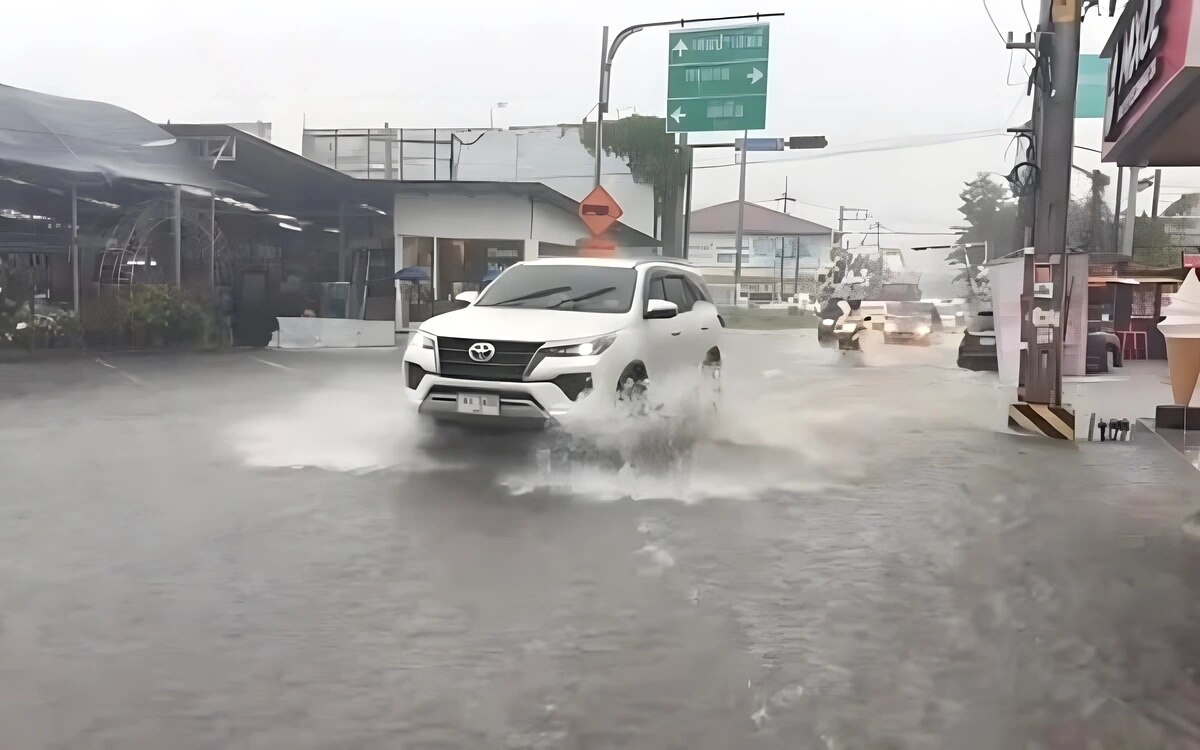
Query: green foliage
[[1151, 234], [159, 315], [991, 215], [645, 146]]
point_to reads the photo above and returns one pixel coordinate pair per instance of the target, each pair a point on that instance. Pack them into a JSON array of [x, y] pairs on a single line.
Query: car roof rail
[[668, 261]]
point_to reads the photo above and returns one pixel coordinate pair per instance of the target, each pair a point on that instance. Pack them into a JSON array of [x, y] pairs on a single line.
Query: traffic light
[[807, 141]]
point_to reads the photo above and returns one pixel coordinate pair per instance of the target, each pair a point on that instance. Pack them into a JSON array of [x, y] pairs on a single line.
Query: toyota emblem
[[481, 352]]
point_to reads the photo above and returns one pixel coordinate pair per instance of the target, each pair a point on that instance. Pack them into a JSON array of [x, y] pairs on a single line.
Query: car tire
[[632, 387], [710, 378]]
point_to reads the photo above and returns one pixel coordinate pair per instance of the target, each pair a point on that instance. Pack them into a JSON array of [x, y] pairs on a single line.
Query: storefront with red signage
[[1152, 117]]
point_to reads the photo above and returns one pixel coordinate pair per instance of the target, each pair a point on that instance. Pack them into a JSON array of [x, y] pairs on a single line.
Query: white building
[[552, 155], [778, 250]]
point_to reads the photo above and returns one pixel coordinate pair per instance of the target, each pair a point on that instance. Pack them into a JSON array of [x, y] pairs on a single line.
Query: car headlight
[[828, 322], [890, 327], [583, 348], [922, 330], [422, 341]]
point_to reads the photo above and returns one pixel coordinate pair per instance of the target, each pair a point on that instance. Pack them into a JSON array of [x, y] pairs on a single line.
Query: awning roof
[[55, 141]]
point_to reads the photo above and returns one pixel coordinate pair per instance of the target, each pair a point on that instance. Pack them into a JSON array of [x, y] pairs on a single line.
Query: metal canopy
[[54, 141]]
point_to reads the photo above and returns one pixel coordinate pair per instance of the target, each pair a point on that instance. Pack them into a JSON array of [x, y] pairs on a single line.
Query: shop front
[[1152, 114]]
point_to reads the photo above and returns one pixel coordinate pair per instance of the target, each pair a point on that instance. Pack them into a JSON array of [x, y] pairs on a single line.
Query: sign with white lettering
[[1134, 63]]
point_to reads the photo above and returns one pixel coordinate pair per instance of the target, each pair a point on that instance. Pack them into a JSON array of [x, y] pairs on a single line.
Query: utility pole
[[1157, 191], [737, 243], [842, 211], [784, 198], [689, 174], [1116, 231], [1046, 280], [1126, 248]]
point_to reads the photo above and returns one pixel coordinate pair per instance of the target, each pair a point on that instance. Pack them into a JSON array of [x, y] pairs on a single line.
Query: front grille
[[507, 365]]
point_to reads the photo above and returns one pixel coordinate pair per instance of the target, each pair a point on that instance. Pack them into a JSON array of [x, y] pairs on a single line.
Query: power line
[[920, 141], [993, 20], [1026, 14]]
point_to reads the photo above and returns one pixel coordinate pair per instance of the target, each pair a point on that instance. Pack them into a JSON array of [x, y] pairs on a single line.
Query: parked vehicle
[[546, 332], [977, 351]]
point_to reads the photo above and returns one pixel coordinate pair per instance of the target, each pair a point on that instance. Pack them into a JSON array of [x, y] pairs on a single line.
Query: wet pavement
[[266, 550]]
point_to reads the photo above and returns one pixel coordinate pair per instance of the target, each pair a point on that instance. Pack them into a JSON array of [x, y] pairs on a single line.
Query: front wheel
[[632, 388], [710, 384]]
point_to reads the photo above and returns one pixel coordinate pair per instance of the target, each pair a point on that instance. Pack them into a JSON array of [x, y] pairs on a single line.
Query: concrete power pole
[[1046, 277]]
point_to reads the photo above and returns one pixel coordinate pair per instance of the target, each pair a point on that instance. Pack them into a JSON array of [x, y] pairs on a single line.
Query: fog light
[[574, 384], [413, 375]]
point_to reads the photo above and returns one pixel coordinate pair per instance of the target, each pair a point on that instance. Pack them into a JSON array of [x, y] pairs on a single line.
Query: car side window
[[655, 289], [696, 291], [677, 292]]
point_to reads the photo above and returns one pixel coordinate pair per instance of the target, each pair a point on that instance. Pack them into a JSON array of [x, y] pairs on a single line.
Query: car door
[[705, 314], [664, 337], [687, 342]]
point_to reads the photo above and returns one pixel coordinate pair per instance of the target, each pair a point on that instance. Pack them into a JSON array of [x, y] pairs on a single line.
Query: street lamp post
[[492, 114]]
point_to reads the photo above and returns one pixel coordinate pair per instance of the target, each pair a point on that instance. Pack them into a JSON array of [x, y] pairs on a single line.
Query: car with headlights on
[[546, 332], [913, 323], [842, 324]]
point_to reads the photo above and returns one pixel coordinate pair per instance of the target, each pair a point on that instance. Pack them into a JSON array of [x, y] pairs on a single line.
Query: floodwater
[[261, 550]]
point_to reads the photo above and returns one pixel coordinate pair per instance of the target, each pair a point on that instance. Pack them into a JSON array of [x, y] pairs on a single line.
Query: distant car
[[977, 351], [913, 323], [953, 312]]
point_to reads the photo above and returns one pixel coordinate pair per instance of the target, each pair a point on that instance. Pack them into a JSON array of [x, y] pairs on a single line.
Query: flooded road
[[261, 550]]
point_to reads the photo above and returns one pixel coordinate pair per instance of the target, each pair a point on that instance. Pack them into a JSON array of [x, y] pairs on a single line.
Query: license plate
[[849, 327], [487, 404], [987, 341]]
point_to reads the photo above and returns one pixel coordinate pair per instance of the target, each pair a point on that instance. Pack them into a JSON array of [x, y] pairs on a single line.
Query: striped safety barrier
[[1056, 422]]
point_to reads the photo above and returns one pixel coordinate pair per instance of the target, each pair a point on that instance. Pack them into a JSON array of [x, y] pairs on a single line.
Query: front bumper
[[530, 403], [910, 338]]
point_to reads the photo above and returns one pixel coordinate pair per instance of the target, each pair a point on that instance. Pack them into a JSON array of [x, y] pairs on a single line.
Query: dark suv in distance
[[978, 348]]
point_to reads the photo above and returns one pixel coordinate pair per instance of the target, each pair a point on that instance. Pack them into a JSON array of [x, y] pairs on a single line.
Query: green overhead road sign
[[717, 79]]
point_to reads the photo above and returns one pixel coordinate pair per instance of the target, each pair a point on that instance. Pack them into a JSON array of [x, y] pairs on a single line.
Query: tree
[[1090, 220], [990, 214], [1152, 243]]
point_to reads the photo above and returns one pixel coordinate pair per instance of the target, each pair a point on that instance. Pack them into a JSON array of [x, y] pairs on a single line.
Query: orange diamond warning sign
[[599, 211]]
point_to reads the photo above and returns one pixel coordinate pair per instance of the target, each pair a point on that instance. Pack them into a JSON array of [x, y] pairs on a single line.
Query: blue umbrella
[[412, 273]]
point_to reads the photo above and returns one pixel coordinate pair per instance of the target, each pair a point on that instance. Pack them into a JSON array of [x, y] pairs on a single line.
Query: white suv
[[546, 332]]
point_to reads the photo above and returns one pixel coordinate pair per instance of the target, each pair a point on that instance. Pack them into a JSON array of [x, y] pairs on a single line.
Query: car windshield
[[908, 308], [593, 289]]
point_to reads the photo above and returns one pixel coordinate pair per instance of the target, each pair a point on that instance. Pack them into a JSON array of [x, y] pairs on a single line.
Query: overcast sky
[[854, 70]]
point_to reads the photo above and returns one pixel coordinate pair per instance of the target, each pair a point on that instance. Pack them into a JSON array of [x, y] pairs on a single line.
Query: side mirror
[[468, 297], [660, 309]]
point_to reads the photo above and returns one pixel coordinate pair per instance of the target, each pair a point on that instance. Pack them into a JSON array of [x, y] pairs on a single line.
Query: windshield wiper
[[533, 295], [583, 297]]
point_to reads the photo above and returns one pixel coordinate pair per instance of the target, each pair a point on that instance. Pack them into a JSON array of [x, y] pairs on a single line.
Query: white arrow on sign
[[755, 75], [678, 115], [680, 48]]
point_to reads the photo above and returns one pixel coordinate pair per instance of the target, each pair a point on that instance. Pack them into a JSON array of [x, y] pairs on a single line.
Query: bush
[[159, 315]]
